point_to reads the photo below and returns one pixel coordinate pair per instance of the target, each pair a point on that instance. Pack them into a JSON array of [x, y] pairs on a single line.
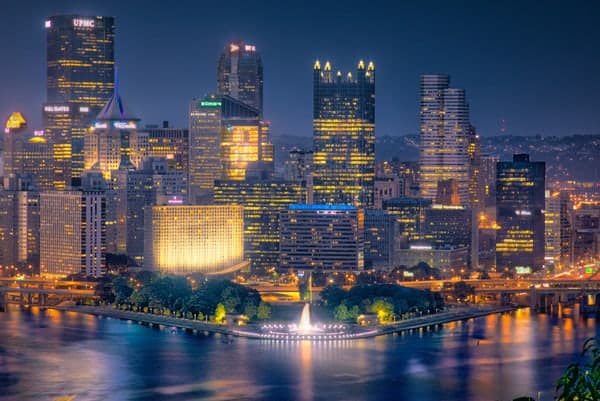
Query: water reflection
[[45, 354]]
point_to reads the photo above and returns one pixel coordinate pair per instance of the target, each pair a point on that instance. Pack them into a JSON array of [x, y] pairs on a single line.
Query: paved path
[[405, 325]]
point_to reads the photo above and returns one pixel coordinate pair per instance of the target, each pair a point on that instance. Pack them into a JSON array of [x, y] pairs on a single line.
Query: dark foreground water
[[48, 354]]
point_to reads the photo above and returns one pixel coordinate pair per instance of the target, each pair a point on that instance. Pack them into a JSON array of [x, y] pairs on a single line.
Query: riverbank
[[252, 330]]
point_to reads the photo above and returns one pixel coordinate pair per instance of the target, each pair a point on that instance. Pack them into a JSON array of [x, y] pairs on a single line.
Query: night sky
[[534, 64]]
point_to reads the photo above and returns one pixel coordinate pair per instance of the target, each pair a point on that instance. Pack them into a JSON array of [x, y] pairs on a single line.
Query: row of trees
[[388, 301], [174, 295]]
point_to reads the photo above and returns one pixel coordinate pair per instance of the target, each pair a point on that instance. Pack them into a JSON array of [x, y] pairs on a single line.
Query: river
[[47, 354]]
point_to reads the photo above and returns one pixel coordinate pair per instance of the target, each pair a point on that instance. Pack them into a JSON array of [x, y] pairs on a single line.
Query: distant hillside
[[570, 157]]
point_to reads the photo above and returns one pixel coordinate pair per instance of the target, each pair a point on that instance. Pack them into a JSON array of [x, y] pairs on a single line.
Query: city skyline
[[504, 78]]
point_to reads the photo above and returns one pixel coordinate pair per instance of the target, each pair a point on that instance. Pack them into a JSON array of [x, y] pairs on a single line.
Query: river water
[[47, 354]]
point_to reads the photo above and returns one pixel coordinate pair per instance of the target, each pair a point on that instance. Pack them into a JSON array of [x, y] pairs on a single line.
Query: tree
[[341, 313], [121, 289], [462, 291], [220, 313], [250, 310], [384, 309], [581, 381], [264, 311]]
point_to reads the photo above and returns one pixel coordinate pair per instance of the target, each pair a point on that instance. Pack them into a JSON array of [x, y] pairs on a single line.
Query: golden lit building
[[344, 136], [194, 239]]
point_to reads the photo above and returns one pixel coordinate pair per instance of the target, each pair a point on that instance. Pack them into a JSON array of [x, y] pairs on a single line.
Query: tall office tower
[[168, 142], [344, 136], [194, 239], [445, 136], [380, 233], [410, 217], [298, 168], [475, 201], [154, 183], [80, 80], [552, 229], [246, 149], [487, 178], [205, 127], [566, 231], [520, 187], [586, 233], [240, 75], [322, 237], [8, 232], [447, 192], [110, 140], [72, 233], [263, 201], [27, 155]]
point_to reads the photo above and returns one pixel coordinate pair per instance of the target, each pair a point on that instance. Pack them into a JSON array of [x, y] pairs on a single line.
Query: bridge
[[43, 292]]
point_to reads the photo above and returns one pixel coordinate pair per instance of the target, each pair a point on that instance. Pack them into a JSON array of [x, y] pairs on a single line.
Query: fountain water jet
[[305, 327]]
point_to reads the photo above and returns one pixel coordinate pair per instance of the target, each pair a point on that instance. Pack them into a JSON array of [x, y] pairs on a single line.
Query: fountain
[[304, 330]]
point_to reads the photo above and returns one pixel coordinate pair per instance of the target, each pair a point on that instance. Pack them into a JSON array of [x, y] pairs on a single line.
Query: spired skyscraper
[[240, 74], [344, 136], [446, 137], [80, 80]]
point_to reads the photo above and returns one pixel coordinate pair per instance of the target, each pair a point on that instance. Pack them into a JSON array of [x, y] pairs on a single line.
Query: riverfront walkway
[[252, 330]]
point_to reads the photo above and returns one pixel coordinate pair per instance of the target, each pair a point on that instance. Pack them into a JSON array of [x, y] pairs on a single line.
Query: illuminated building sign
[[408, 274], [84, 109], [250, 48], [589, 270], [56, 108], [233, 48], [523, 269], [208, 103], [84, 23], [48, 24], [124, 125], [523, 213], [38, 132], [100, 125]]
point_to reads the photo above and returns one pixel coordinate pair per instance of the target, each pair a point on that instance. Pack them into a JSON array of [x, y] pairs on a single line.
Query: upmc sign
[[84, 23]]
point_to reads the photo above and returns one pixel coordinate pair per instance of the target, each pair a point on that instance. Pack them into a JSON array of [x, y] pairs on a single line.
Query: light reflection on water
[[46, 354]]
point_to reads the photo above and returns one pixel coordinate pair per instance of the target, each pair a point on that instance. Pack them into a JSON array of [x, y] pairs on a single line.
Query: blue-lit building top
[[315, 207]]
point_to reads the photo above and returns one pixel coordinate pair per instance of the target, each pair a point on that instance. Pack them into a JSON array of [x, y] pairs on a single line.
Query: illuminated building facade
[[80, 80], [154, 183], [20, 227], [344, 136], [72, 233], [240, 75], [167, 142], [110, 140], [448, 225], [205, 119], [446, 135], [520, 188], [263, 201], [27, 156], [322, 237], [410, 217], [380, 233], [194, 239]]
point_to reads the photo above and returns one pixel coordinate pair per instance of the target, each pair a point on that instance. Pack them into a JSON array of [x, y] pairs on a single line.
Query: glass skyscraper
[[240, 74], [344, 136], [80, 80], [446, 133], [520, 202]]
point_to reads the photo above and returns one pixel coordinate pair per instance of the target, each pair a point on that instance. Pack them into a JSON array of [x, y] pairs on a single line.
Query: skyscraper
[[263, 200], [72, 233], [445, 137], [344, 135], [110, 140], [80, 80], [204, 146], [520, 187], [240, 74]]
